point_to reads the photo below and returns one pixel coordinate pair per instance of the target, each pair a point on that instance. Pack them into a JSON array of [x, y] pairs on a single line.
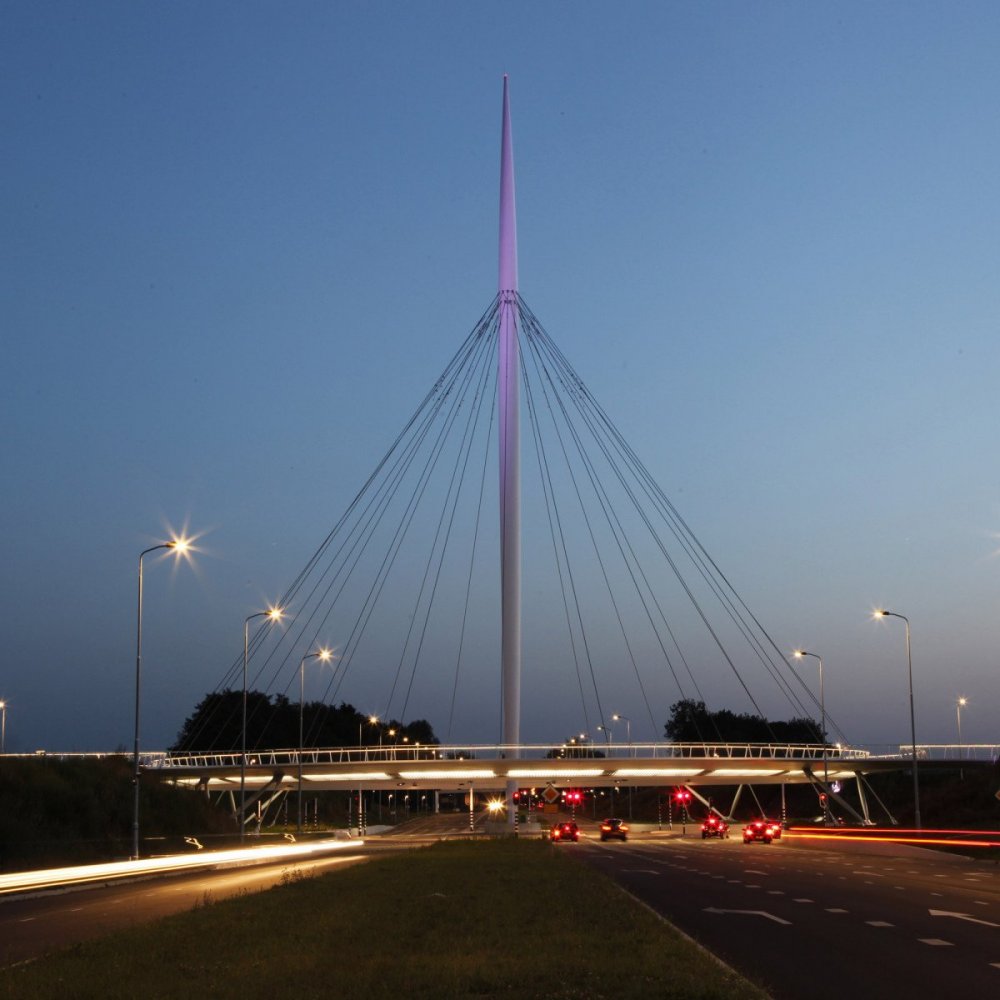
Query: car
[[614, 828], [764, 830], [714, 826], [565, 831]]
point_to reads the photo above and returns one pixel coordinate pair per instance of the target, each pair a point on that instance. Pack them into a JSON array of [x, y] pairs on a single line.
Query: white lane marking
[[996, 965], [834, 909], [750, 886], [980, 902], [640, 871], [937, 942], [935, 894], [753, 913], [879, 923], [752, 871], [731, 881], [776, 892], [803, 900], [25, 920]]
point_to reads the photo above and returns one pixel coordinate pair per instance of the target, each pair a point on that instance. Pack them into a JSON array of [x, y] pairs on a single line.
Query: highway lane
[[822, 924], [32, 925]]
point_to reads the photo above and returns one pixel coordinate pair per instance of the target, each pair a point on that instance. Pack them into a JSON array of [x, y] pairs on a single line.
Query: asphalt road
[[30, 926], [811, 924]]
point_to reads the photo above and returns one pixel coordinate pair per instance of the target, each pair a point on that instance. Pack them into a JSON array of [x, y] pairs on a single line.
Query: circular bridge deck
[[491, 767]]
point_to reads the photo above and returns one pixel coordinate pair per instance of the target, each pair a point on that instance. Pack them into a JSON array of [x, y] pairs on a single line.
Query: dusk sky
[[244, 239]]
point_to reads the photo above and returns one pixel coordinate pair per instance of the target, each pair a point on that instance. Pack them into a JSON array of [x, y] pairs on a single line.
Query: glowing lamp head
[[325, 654], [962, 702], [180, 545], [275, 614], [616, 717], [373, 719], [879, 613], [798, 653]]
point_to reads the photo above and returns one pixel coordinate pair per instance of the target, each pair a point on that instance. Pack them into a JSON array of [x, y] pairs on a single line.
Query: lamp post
[[179, 546], [628, 729], [607, 735], [3, 727], [799, 654], [323, 655], [882, 613], [628, 739], [275, 615], [959, 705]]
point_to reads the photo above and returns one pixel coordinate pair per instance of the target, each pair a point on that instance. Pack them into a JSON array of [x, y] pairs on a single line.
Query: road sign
[[551, 795]]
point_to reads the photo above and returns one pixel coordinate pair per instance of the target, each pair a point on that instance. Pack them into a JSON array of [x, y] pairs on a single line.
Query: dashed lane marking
[[835, 909], [776, 892], [936, 942], [879, 923], [803, 900]]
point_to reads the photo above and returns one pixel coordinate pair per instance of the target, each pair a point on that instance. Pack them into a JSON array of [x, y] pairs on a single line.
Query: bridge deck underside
[[493, 775]]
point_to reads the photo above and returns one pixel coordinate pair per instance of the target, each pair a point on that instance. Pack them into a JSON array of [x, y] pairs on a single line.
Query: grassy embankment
[[499, 918]]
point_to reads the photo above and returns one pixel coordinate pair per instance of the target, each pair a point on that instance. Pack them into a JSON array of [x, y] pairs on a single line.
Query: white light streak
[[50, 878]]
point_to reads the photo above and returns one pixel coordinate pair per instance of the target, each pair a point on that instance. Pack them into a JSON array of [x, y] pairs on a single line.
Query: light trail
[[868, 838], [52, 878]]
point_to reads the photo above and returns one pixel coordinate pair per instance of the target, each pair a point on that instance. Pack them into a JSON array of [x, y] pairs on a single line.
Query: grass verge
[[500, 918]]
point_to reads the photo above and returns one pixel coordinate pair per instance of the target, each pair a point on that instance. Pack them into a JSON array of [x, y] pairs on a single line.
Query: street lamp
[[799, 654], [628, 729], [324, 655], [273, 615], [3, 727], [179, 546], [882, 613], [628, 739], [959, 705]]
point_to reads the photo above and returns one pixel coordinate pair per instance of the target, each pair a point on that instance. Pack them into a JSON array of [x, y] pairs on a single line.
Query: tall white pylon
[[508, 391]]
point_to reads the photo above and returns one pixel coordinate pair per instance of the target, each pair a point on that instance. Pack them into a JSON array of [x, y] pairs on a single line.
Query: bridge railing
[[610, 751]]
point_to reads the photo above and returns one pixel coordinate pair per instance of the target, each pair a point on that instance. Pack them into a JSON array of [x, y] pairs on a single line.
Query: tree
[[691, 722], [216, 725]]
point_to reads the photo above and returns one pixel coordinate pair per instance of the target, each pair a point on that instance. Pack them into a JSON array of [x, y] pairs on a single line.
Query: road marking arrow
[[752, 913], [962, 916]]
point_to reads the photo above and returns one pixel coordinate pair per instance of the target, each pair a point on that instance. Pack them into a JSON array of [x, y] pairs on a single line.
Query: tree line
[[691, 722], [215, 725]]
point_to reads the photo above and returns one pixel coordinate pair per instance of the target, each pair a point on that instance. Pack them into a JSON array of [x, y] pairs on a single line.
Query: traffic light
[[822, 799]]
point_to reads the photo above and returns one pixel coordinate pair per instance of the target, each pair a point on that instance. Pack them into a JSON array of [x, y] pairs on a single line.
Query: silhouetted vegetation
[[273, 724], [691, 722], [56, 811]]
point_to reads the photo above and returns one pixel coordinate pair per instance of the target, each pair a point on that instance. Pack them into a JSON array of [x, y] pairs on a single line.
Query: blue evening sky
[[242, 239]]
